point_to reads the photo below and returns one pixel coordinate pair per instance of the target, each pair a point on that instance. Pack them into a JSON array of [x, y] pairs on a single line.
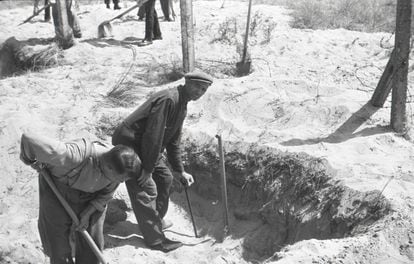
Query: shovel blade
[[243, 68], [105, 30]]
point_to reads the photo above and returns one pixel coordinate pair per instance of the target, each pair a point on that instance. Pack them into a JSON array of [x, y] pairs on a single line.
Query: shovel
[[105, 28], [223, 186], [183, 182], [35, 14], [243, 67], [45, 174]]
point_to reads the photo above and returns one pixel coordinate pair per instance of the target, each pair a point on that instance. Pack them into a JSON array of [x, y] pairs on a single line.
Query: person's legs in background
[[141, 13], [116, 4], [165, 6], [156, 33], [73, 20], [149, 21], [47, 11], [107, 4]]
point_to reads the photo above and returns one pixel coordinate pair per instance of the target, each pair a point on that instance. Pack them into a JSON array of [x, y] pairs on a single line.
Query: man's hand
[[38, 166], [143, 178], [85, 217], [185, 178]]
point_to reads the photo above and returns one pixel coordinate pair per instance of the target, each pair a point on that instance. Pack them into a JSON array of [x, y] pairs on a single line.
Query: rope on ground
[[125, 74]]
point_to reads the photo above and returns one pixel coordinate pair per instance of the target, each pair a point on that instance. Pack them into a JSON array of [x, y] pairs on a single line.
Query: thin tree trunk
[[385, 83], [402, 50], [187, 35], [65, 36]]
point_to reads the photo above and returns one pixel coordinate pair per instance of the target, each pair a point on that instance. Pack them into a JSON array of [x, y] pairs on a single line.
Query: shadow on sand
[[110, 42], [347, 130]]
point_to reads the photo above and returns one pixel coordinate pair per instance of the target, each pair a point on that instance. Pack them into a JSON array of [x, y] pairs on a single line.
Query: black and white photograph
[[206, 132]]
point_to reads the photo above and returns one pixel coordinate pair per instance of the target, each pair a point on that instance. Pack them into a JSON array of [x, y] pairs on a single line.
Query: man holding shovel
[[86, 175], [152, 128]]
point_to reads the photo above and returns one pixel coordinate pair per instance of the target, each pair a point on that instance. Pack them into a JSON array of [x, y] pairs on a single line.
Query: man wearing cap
[[153, 127]]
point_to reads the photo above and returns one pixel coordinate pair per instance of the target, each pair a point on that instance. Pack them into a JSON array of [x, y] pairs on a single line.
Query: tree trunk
[[402, 50], [187, 35], [63, 30], [385, 84]]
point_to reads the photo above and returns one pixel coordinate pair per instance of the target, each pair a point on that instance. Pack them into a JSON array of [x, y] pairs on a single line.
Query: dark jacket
[[157, 125]]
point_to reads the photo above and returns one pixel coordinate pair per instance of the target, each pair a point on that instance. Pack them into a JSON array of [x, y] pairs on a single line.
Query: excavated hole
[[275, 199]]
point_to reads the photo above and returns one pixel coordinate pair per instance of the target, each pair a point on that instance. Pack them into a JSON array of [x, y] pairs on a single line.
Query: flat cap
[[199, 76]]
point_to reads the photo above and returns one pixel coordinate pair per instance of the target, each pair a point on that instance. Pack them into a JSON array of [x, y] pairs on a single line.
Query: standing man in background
[[165, 7], [152, 25]]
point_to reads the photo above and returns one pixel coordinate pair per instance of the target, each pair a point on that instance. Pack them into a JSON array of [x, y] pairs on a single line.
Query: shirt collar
[[183, 96]]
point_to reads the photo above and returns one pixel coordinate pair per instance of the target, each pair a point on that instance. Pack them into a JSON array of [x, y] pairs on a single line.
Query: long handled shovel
[[105, 28], [72, 214], [35, 14], [223, 186], [243, 67]]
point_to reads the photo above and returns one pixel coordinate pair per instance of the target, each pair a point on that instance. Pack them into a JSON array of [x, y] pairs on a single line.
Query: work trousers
[[165, 7], [73, 21], [113, 1], [149, 201], [55, 225], [47, 11], [141, 12], [152, 26]]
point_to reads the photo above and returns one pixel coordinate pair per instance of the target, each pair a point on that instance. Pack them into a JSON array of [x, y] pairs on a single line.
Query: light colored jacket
[[71, 164]]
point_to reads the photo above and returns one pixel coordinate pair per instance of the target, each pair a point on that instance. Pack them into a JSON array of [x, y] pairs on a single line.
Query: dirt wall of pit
[[294, 195]]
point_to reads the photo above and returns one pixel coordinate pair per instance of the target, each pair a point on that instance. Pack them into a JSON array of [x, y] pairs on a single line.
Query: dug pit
[[275, 198]]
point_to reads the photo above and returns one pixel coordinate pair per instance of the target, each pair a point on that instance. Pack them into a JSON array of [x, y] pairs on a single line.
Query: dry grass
[[367, 16]]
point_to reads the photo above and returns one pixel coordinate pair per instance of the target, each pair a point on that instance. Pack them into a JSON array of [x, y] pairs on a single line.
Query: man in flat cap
[[153, 127]]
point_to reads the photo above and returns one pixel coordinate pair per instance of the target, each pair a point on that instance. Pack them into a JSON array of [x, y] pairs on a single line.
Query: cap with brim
[[199, 76]]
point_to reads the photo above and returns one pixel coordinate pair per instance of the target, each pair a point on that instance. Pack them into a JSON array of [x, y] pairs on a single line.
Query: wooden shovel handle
[[128, 10], [45, 174]]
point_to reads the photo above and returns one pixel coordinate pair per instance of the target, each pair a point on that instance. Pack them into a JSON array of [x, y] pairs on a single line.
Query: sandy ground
[[308, 92]]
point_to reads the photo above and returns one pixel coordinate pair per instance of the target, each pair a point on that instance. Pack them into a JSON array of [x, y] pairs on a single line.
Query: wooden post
[[63, 31], [402, 50], [187, 35], [385, 83]]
